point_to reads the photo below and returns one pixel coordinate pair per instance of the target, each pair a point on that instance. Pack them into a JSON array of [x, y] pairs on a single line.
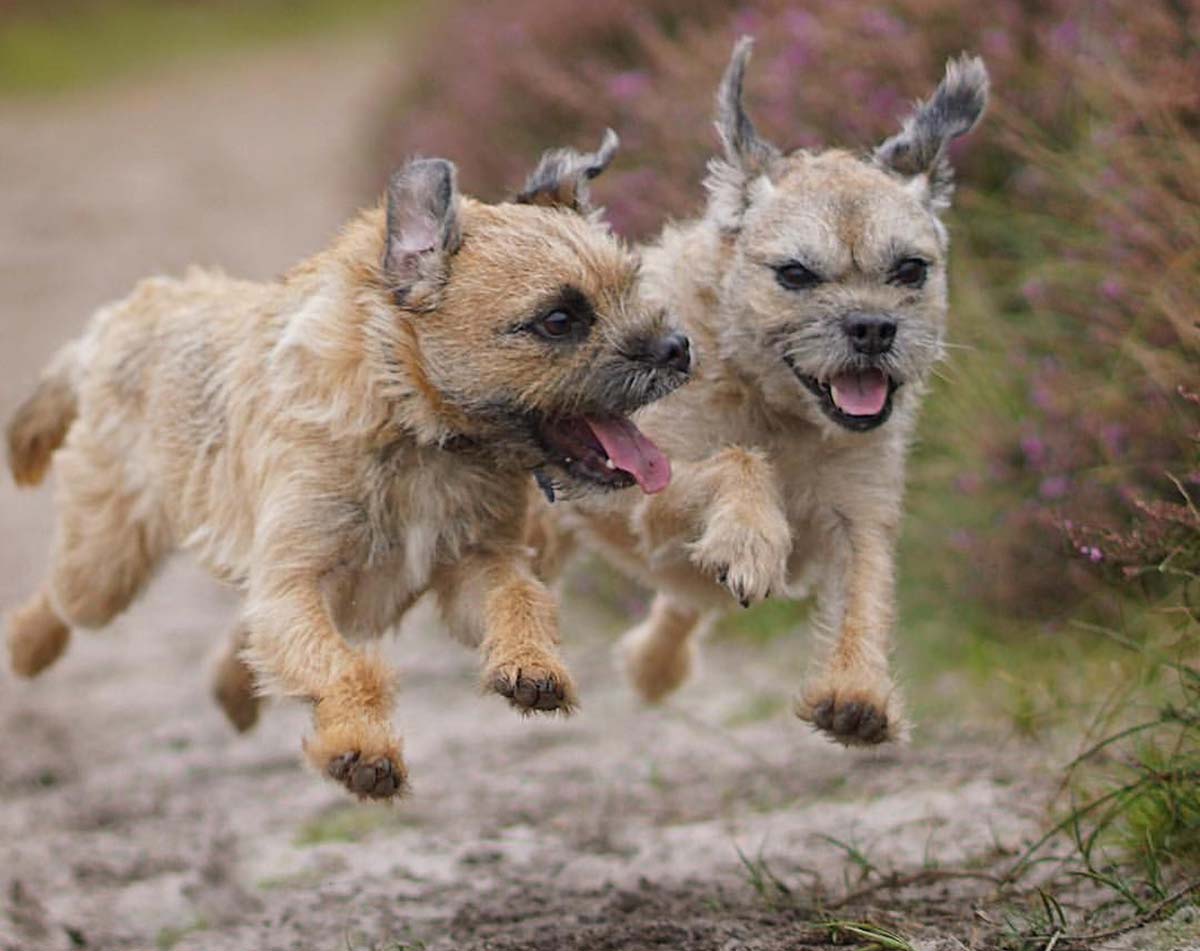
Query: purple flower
[[1114, 436], [1091, 553], [799, 23], [1034, 291], [968, 483], [882, 23], [747, 21], [796, 55], [996, 44], [1054, 487], [1035, 451], [1066, 36], [628, 85]]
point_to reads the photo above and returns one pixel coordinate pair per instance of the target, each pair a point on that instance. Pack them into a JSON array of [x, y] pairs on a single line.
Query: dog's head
[[529, 325], [835, 296]]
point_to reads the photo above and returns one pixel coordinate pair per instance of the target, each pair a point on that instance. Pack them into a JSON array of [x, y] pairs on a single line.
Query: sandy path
[[131, 817]]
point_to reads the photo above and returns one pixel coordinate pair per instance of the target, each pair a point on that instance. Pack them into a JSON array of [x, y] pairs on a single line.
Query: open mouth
[[858, 400], [608, 451]]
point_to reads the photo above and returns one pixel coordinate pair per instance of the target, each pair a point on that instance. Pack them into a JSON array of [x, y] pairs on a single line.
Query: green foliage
[[51, 48], [348, 823]]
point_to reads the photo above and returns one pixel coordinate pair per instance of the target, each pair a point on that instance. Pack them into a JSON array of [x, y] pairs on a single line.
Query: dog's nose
[[674, 351], [871, 334]]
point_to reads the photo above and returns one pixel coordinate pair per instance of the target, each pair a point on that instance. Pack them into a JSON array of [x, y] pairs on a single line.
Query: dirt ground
[[131, 817]]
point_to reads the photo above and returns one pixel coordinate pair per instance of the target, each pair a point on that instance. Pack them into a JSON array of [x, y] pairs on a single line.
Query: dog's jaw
[[822, 389]]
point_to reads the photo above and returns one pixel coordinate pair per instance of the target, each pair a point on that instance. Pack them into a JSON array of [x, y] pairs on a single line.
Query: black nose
[[871, 334], [673, 351]]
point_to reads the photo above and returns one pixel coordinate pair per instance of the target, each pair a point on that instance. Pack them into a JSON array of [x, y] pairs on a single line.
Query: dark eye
[[910, 272], [795, 276], [556, 325]]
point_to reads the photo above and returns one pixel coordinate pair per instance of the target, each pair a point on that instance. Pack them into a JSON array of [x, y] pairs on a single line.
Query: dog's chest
[[421, 511]]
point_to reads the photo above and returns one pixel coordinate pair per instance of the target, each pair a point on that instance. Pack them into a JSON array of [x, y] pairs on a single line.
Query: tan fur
[[40, 424], [335, 444], [233, 683], [770, 494]]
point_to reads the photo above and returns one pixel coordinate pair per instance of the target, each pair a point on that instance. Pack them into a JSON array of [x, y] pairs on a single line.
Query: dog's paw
[[364, 758], [380, 777], [655, 666], [532, 685], [853, 714], [748, 556]]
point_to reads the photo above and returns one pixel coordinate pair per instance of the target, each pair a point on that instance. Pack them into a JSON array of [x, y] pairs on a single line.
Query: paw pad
[[532, 692], [852, 722], [378, 778]]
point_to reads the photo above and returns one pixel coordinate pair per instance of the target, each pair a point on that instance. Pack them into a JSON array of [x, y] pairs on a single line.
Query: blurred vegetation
[[57, 45], [1057, 461], [1050, 563]]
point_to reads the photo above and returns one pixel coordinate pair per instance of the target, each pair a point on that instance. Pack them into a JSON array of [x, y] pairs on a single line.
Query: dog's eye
[[558, 325], [910, 272], [795, 276]]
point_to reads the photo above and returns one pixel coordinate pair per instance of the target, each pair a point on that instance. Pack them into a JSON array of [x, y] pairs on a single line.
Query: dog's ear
[[562, 175], [918, 150], [422, 223], [747, 155], [744, 148]]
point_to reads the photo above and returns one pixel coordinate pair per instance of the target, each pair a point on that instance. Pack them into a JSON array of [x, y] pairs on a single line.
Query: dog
[[341, 441], [814, 290]]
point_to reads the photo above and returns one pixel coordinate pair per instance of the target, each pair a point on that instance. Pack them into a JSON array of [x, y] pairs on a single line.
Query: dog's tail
[[40, 424]]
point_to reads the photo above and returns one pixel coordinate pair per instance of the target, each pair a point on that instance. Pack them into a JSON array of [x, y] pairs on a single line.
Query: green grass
[[168, 937], [868, 936], [75, 45], [349, 823]]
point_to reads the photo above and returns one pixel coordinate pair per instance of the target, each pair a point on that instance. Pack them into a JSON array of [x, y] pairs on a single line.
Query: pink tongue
[[860, 393], [632, 452]]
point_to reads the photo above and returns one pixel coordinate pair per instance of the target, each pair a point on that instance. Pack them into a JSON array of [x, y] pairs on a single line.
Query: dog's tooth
[[609, 464]]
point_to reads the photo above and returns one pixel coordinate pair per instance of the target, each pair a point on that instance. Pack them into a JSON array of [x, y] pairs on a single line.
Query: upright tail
[[40, 424]]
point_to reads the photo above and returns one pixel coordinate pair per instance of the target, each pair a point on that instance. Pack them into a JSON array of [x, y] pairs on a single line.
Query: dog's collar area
[[824, 393]]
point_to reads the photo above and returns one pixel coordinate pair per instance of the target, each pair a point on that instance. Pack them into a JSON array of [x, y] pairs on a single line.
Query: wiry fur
[[770, 494], [335, 444]]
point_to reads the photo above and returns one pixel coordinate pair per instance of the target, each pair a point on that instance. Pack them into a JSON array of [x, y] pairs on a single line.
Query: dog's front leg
[[852, 698], [494, 600], [295, 649], [728, 510]]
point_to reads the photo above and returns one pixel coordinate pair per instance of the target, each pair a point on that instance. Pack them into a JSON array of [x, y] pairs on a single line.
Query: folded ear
[[562, 175], [919, 149], [422, 223], [747, 155]]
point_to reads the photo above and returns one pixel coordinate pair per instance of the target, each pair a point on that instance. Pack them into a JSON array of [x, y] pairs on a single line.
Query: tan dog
[[339, 442], [814, 289]]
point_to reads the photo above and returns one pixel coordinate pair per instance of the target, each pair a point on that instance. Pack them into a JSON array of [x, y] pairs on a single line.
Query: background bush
[[1067, 427]]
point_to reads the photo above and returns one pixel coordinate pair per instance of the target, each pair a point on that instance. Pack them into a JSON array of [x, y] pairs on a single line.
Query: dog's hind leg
[[37, 636], [234, 687], [105, 550], [659, 654]]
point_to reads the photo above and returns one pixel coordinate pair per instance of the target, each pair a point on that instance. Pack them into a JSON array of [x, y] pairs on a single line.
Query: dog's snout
[[674, 351], [871, 334]]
